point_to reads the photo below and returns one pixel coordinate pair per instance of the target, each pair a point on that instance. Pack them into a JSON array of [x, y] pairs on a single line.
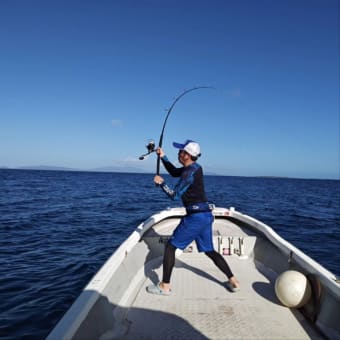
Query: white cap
[[191, 147]]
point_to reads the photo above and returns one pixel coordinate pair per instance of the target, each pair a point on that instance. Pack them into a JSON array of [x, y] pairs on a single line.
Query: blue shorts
[[198, 227]]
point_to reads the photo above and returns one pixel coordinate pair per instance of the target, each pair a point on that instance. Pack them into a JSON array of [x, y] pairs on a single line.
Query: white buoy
[[293, 289]]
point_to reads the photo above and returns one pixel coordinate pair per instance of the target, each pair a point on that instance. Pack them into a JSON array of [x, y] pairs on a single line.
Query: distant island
[[127, 169], [60, 168], [136, 170]]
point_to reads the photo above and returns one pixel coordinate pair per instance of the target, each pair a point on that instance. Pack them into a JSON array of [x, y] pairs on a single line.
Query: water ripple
[[58, 228]]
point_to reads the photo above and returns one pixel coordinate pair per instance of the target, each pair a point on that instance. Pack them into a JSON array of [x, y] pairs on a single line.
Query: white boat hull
[[116, 305]]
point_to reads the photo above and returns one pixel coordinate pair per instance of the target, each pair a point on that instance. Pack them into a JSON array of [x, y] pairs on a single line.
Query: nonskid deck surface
[[200, 307]]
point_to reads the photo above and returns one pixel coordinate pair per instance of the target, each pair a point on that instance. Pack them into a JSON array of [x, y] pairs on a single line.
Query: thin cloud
[[116, 122], [131, 160]]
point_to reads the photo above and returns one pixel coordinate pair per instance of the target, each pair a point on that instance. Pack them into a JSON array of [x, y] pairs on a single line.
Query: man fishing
[[197, 223]]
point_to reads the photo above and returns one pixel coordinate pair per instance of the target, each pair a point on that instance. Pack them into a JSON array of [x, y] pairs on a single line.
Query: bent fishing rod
[[151, 145]]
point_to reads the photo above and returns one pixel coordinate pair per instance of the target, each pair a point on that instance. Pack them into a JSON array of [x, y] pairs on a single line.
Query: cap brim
[[178, 145]]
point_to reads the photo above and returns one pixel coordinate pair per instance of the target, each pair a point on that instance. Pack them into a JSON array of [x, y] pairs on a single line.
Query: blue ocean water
[[57, 228]]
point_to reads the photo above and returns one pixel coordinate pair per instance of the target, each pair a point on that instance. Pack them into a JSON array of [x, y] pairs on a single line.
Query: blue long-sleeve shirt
[[190, 187]]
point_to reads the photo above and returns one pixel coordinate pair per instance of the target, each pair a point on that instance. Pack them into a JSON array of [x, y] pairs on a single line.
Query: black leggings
[[220, 263], [169, 262]]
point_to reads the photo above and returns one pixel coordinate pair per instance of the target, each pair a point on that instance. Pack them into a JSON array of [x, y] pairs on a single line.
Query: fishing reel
[[150, 147]]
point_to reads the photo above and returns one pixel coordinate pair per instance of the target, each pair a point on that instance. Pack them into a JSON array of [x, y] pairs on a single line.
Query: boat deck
[[200, 307]]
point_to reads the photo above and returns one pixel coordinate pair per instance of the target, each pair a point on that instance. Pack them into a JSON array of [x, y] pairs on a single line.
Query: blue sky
[[85, 84]]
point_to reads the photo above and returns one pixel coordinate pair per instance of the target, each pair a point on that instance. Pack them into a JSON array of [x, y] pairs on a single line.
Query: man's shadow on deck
[[110, 321]]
